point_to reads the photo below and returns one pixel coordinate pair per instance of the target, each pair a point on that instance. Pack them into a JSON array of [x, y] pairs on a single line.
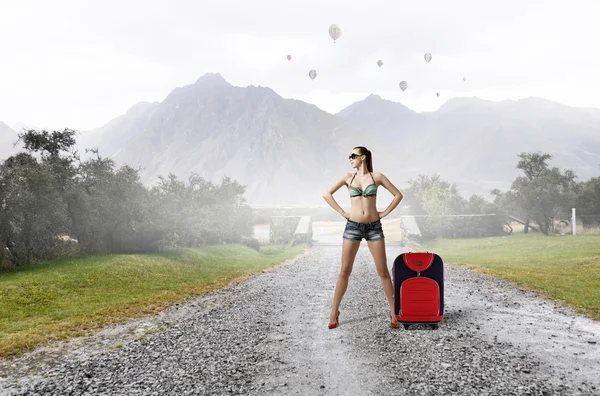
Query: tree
[[523, 188], [432, 195], [106, 207], [506, 205], [47, 191], [543, 193], [33, 212], [588, 199], [440, 200]]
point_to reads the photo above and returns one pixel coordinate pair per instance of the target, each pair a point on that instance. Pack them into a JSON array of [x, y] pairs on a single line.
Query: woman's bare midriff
[[363, 210]]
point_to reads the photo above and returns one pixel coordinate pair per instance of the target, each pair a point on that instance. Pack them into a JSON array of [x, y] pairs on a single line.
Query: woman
[[363, 221]]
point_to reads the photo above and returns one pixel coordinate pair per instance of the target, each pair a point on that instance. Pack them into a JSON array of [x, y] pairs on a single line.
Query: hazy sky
[[80, 63]]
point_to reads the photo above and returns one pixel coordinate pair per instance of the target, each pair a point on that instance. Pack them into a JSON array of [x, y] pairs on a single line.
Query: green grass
[[60, 299], [563, 268]]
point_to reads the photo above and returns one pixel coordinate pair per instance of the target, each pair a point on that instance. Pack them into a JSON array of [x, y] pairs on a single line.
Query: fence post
[[573, 222]]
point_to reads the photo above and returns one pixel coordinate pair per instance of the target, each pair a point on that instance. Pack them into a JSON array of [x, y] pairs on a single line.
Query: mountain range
[[287, 151], [8, 136]]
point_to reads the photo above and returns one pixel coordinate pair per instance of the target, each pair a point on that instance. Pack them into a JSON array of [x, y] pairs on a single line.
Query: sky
[[79, 64]]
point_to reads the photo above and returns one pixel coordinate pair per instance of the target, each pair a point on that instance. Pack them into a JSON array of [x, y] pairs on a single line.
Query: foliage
[[541, 195], [588, 202], [441, 202], [54, 205]]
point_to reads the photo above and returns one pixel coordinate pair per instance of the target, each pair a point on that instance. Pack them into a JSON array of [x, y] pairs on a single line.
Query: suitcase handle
[[418, 261]]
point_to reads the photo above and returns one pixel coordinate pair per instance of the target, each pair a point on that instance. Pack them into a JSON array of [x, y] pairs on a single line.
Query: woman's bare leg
[[377, 249], [349, 250]]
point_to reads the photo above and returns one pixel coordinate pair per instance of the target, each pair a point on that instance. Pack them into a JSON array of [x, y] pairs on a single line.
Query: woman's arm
[[387, 184], [329, 191]]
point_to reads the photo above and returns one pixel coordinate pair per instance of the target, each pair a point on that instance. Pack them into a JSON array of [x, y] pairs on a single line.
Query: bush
[[107, 210], [251, 243], [460, 227]]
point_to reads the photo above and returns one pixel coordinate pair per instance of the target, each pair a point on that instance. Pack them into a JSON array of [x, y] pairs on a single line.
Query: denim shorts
[[357, 231]]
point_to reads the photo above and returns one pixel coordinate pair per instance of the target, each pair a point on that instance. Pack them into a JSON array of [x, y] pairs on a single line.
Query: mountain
[[384, 118], [397, 134], [286, 151], [115, 134], [475, 142], [19, 126], [593, 111], [8, 137]]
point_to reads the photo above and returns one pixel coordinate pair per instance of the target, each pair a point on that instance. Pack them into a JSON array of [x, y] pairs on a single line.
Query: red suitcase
[[419, 288]]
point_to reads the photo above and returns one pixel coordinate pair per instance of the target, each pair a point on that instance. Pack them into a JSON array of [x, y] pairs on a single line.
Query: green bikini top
[[370, 191]]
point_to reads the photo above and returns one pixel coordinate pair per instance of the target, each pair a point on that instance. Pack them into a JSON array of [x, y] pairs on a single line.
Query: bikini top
[[370, 191]]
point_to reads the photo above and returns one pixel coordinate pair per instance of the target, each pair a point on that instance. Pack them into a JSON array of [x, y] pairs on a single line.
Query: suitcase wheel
[[406, 326], [435, 326]]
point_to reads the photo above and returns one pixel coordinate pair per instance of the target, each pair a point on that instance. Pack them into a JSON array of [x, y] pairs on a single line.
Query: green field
[[564, 268], [56, 300]]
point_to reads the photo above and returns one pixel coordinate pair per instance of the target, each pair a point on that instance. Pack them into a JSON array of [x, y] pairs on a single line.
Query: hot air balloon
[[289, 57], [380, 63], [438, 94], [335, 32], [403, 85], [312, 74], [427, 57]]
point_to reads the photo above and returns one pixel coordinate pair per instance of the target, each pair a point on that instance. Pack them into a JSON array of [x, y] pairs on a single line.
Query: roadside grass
[[564, 268], [60, 299]]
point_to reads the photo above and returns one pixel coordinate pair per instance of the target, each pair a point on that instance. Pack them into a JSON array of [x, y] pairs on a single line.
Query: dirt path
[[268, 335]]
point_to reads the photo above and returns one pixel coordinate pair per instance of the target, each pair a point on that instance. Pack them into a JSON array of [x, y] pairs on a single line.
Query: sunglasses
[[353, 155]]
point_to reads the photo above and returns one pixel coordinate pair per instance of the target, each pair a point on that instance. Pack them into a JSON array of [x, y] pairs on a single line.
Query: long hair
[[364, 151]]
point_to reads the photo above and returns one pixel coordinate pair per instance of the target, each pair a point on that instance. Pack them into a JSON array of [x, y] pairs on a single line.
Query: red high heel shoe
[[336, 323], [394, 325]]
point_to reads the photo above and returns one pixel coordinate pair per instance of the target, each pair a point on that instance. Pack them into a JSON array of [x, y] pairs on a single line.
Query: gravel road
[[269, 335]]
